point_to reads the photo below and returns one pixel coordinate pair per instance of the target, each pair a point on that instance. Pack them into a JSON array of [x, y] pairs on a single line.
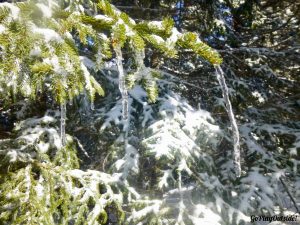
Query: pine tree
[[56, 49], [136, 144]]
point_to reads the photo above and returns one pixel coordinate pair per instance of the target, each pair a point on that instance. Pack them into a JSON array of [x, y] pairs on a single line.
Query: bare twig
[[289, 194]]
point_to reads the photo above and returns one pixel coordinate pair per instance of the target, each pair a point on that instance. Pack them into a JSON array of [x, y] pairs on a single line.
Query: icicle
[[235, 131], [63, 111], [139, 57], [122, 83], [181, 205], [92, 106], [50, 3]]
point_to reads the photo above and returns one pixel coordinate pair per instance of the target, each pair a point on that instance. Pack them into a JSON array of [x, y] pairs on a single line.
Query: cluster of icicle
[[124, 95], [122, 88], [234, 127]]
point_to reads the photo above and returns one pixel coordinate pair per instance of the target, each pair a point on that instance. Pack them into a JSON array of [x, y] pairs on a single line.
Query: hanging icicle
[[122, 83], [139, 57], [92, 105], [181, 205], [235, 131], [63, 115], [63, 112]]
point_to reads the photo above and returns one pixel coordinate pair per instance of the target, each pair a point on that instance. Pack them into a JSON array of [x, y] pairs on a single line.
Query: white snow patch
[[2, 28], [156, 24], [102, 17], [43, 147], [36, 51], [87, 62], [259, 97], [49, 35], [204, 215], [171, 41], [13, 9], [45, 10], [157, 38]]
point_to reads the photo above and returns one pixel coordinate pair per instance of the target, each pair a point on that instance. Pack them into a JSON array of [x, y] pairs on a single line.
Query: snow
[[232, 212], [43, 147], [250, 141], [171, 41], [31, 131], [255, 178], [45, 10], [178, 130], [54, 61], [115, 115], [2, 28], [163, 181], [156, 24], [12, 155], [130, 162], [49, 35], [103, 17], [87, 62], [177, 133], [139, 95], [81, 8], [204, 215], [259, 96], [154, 208], [129, 31], [13, 9], [35, 51], [278, 174], [157, 38], [86, 74], [258, 188], [165, 141], [39, 188], [219, 22], [190, 65], [234, 194]]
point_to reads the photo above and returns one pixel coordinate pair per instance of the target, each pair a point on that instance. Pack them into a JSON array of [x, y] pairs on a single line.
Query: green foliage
[[107, 9], [130, 80], [138, 42], [42, 52], [189, 41], [4, 13], [167, 25], [50, 56], [58, 62], [41, 184], [97, 24], [97, 87], [119, 35], [159, 44], [152, 89], [164, 30]]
